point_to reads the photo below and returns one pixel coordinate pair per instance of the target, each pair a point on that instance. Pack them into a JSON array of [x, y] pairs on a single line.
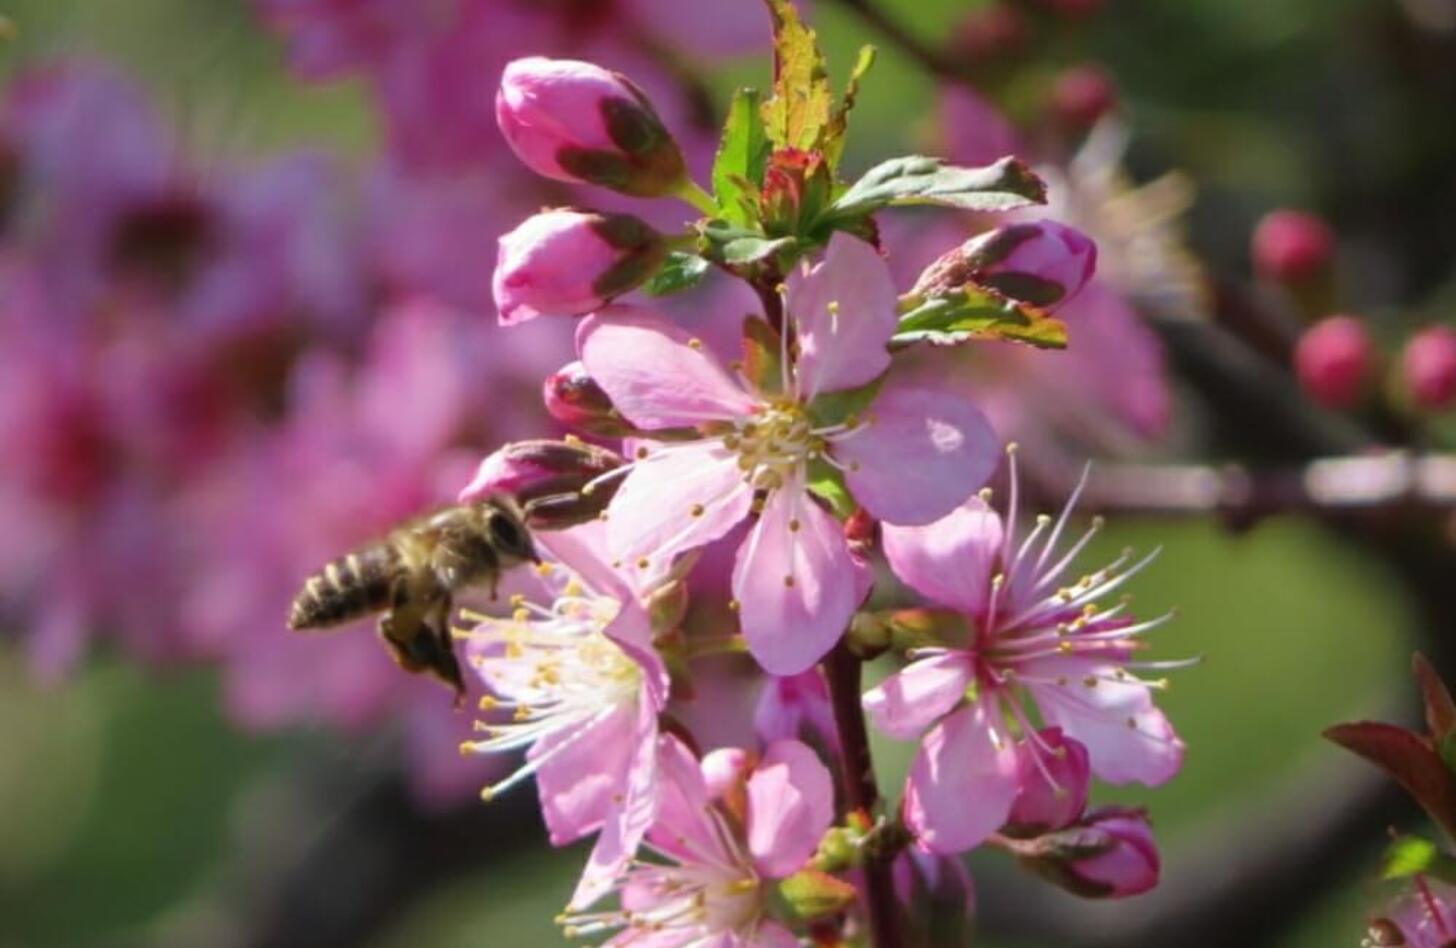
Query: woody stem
[[861, 791]]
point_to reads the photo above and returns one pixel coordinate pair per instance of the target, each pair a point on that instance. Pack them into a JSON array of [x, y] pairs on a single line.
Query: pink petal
[[950, 561], [790, 807], [907, 703], [794, 583], [924, 450], [654, 375], [585, 554], [685, 829], [845, 313], [652, 515], [961, 785], [629, 820], [587, 769], [1128, 739], [632, 631]]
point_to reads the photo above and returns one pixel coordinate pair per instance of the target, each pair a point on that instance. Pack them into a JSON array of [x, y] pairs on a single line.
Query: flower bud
[[1429, 367], [1055, 776], [1081, 95], [575, 121], [1292, 246], [991, 32], [568, 263], [1333, 359], [1039, 262], [575, 399], [1110, 854], [558, 482]]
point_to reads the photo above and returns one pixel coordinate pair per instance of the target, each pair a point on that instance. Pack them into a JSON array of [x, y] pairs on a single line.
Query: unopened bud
[[1333, 360], [1039, 262], [567, 263], [575, 399], [725, 775], [812, 894], [575, 121], [1082, 95], [1110, 854], [1429, 367], [1292, 246], [560, 483], [1054, 774]]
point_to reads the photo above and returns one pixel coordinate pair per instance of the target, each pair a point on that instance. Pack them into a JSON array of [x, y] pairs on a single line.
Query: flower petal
[[794, 583], [845, 313], [685, 829], [790, 807], [629, 820], [652, 515], [951, 560], [587, 767], [924, 449], [907, 703], [1128, 739], [961, 784], [653, 373]]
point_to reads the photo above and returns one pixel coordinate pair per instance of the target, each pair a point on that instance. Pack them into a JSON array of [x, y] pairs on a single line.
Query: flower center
[[774, 442]]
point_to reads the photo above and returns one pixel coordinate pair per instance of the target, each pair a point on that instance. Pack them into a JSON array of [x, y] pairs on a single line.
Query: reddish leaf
[[1407, 757], [1440, 709]]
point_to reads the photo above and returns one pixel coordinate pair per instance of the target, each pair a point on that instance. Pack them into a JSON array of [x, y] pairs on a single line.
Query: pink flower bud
[[726, 771], [1081, 95], [1333, 359], [568, 263], [1292, 246], [559, 482], [1055, 775], [577, 401], [575, 121], [1110, 854], [1429, 367], [991, 32], [1039, 262]]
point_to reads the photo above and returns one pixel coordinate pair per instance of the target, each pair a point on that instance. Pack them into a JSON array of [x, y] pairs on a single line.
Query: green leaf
[[738, 169], [826, 483], [972, 313], [733, 245], [839, 121], [917, 179], [799, 112], [813, 894], [834, 408], [680, 271], [1409, 856]]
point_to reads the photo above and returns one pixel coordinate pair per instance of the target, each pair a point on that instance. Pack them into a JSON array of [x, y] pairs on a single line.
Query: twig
[[861, 791]]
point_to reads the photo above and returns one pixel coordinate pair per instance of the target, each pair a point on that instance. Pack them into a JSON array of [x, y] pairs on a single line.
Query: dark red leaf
[[1407, 757], [1440, 709]]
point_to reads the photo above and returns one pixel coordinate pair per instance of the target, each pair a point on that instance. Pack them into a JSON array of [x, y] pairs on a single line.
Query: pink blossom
[[1039, 262], [567, 263], [1055, 778], [578, 683], [713, 875], [575, 121], [1425, 918], [1033, 636], [1082, 95], [1126, 862], [915, 453], [1429, 367], [1333, 361], [796, 707]]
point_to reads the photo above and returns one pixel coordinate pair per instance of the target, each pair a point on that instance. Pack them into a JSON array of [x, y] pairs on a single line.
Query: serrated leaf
[[738, 168], [827, 483], [680, 271], [733, 245], [839, 121], [969, 314], [799, 112], [1407, 758], [917, 179], [1440, 709]]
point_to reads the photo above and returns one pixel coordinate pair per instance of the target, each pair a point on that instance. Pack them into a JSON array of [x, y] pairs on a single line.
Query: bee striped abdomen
[[351, 587]]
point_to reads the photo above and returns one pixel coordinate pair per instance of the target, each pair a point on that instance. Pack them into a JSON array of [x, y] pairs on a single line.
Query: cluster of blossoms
[[758, 473]]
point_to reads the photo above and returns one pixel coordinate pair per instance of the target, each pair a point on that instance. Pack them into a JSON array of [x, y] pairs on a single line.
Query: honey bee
[[412, 576]]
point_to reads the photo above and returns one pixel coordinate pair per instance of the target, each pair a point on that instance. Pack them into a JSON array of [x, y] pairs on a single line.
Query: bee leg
[[420, 641]]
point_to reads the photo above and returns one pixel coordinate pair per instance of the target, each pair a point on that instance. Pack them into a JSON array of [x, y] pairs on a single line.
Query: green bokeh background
[[120, 791]]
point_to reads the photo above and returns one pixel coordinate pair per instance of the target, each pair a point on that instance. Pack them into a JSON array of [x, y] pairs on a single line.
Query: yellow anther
[[488, 702], [789, 581], [517, 600], [1012, 447], [794, 525], [521, 615], [697, 510], [642, 563], [833, 307], [695, 344], [641, 453], [545, 569]]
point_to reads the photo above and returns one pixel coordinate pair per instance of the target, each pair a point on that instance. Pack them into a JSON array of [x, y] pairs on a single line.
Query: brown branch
[[861, 791]]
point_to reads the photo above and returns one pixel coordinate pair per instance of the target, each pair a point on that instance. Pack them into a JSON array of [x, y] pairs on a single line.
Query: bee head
[[508, 533]]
